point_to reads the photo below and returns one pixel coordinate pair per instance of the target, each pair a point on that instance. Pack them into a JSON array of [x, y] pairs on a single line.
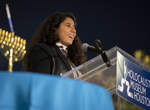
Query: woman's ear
[[54, 29]]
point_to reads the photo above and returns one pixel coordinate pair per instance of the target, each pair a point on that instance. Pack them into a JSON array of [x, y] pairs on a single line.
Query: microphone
[[87, 47]]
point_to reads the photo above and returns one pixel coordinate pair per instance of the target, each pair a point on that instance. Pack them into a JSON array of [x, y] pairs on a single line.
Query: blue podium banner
[[133, 82], [32, 91]]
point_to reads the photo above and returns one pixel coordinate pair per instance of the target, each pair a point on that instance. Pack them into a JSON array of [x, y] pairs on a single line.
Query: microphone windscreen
[[84, 46]]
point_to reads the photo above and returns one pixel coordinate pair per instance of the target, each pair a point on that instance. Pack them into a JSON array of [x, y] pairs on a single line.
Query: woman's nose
[[73, 30]]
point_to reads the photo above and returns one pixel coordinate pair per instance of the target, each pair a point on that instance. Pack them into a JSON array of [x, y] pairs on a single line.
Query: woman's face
[[66, 32]]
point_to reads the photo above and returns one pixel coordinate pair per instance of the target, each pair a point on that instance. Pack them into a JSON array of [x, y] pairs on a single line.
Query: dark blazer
[[46, 58]]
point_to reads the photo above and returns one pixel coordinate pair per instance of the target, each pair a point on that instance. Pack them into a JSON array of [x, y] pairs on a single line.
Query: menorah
[[12, 47]]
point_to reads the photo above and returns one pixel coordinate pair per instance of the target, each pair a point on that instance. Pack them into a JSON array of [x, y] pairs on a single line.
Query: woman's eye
[[68, 25]]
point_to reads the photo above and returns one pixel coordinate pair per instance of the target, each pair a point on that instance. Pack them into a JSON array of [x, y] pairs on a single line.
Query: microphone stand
[[99, 47]]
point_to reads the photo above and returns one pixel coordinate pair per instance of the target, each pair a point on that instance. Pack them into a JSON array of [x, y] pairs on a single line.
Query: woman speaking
[[55, 48]]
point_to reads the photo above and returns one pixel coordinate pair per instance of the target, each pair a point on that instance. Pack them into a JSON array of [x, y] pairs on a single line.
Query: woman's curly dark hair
[[46, 34]]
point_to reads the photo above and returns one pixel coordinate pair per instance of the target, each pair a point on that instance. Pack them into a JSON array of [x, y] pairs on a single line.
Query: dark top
[[46, 58]]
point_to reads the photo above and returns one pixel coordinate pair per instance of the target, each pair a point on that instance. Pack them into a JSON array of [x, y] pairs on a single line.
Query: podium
[[97, 72]]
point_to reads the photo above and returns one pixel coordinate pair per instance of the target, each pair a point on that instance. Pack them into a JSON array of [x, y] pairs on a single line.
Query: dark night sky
[[124, 23]]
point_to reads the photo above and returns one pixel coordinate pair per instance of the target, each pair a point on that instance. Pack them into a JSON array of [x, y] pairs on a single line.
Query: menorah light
[[12, 47]]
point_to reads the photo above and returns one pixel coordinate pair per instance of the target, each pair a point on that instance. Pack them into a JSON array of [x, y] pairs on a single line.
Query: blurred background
[[125, 24]]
